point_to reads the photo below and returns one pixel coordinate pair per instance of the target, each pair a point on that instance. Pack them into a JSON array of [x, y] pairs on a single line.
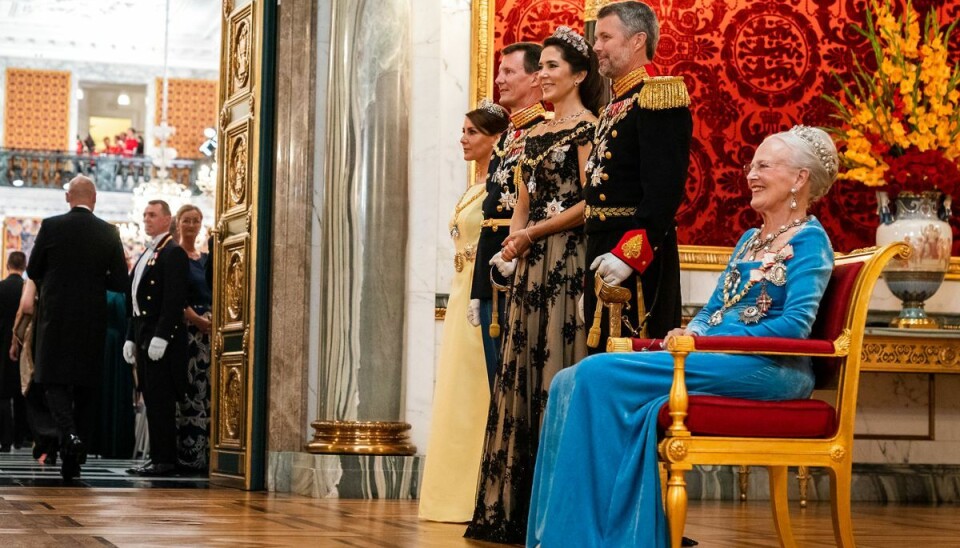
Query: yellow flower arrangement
[[906, 112]]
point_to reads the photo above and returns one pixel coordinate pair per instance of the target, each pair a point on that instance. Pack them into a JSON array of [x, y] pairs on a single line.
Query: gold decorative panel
[[37, 110], [911, 353], [235, 460], [235, 155], [240, 58], [232, 408], [234, 284], [191, 108]]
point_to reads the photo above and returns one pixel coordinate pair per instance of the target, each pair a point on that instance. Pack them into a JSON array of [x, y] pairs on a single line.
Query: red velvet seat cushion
[[734, 417]]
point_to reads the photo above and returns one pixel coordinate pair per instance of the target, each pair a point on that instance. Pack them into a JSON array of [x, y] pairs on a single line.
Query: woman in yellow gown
[[462, 395]]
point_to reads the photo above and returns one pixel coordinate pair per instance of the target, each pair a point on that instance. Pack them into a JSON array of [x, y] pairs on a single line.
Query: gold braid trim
[[524, 116], [628, 81], [663, 92]]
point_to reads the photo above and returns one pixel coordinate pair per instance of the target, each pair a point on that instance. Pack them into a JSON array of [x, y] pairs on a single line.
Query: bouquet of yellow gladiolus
[[901, 122]]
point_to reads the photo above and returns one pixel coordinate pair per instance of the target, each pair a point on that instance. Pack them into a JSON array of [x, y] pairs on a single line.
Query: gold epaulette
[[663, 92]]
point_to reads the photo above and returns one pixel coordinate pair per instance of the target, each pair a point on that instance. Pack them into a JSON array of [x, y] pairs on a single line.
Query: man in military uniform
[[156, 338], [636, 174], [519, 85]]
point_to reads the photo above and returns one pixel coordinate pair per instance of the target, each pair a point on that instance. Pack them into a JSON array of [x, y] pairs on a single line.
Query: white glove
[[506, 268], [157, 347], [580, 309], [129, 352], [473, 312], [611, 269]]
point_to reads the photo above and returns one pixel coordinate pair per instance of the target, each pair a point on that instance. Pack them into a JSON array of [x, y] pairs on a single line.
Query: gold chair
[[727, 431]]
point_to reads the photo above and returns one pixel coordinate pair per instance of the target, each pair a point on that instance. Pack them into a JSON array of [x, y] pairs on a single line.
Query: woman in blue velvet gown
[[596, 481]]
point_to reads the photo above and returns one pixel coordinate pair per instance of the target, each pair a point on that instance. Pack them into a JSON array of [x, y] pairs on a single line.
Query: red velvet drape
[[753, 68]]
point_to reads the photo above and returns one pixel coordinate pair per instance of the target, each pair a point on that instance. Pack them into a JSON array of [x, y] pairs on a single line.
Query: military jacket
[[501, 195], [636, 174]]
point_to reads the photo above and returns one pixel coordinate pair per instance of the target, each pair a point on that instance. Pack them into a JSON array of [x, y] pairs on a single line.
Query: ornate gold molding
[[481, 82], [592, 7], [894, 354], [714, 259], [704, 257], [361, 437]]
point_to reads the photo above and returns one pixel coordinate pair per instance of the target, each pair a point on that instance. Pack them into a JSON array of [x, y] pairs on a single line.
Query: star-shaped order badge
[[508, 199], [553, 207]]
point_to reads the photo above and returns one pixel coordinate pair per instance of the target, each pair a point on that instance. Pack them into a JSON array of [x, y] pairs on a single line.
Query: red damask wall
[[753, 68]]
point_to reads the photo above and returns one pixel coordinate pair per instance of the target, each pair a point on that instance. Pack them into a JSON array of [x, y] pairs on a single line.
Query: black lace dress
[[542, 335]]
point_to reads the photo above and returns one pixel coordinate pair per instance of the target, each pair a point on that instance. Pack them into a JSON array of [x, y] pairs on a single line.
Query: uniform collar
[[625, 83], [159, 241], [523, 117]]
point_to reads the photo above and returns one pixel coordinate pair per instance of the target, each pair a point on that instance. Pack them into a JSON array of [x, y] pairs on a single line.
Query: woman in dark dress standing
[[545, 254], [193, 421]]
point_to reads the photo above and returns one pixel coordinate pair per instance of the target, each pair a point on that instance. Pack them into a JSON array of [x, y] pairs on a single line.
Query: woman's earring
[[793, 198], [576, 82]]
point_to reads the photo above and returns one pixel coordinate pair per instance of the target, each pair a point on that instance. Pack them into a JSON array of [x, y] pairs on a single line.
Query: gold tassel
[[663, 92], [494, 322], [593, 338]]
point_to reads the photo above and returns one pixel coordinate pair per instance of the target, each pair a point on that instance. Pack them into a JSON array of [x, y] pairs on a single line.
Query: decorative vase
[[920, 220]]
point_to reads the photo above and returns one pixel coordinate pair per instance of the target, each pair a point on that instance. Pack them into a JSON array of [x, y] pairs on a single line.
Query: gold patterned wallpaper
[[191, 108], [37, 111]]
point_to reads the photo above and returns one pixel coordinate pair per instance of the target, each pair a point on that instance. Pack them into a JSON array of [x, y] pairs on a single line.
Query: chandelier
[[161, 186]]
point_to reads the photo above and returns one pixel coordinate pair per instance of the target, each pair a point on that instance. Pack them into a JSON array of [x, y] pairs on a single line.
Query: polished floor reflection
[[18, 468], [84, 516]]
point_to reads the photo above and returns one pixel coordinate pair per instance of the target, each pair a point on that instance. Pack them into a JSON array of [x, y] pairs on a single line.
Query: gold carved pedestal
[[361, 438]]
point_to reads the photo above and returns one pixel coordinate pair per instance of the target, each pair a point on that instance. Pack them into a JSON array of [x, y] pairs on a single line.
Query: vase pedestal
[[913, 316]]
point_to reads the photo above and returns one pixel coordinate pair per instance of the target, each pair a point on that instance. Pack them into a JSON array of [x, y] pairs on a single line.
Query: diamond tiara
[[493, 108], [812, 137], [571, 37]]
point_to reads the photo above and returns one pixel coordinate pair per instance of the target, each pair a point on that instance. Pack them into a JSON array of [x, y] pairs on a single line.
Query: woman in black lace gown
[[545, 252]]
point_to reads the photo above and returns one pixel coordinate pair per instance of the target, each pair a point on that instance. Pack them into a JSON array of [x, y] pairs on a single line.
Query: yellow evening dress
[[461, 396]]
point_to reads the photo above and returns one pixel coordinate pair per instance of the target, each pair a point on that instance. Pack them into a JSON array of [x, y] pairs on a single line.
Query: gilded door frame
[[241, 245]]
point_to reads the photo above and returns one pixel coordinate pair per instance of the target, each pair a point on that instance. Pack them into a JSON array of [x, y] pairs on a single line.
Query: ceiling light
[[123, 100]]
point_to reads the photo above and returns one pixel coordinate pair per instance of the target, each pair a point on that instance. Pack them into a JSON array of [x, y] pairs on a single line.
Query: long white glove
[[129, 352], [473, 312], [157, 347], [580, 309], [611, 269], [506, 268]]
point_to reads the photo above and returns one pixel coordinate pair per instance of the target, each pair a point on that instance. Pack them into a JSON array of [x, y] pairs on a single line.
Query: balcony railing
[[42, 169]]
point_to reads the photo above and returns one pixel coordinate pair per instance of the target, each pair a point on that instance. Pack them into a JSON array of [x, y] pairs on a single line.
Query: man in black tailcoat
[[76, 258], [157, 337], [636, 174]]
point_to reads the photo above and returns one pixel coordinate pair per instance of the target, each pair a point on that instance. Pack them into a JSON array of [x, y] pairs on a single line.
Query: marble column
[[288, 413], [364, 212]]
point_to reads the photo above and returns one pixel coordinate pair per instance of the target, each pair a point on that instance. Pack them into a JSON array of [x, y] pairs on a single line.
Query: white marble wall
[[438, 176]]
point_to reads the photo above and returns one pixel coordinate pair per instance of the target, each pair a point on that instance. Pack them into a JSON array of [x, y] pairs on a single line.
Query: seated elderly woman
[[596, 480]]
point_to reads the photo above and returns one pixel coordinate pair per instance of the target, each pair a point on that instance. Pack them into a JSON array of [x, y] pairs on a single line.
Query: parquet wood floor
[[83, 516]]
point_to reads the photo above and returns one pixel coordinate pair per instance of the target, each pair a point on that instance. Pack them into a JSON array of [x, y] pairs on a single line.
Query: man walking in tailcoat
[[76, 258]]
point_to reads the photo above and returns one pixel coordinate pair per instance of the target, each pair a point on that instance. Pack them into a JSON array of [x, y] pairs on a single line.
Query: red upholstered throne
[[718, 430]]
